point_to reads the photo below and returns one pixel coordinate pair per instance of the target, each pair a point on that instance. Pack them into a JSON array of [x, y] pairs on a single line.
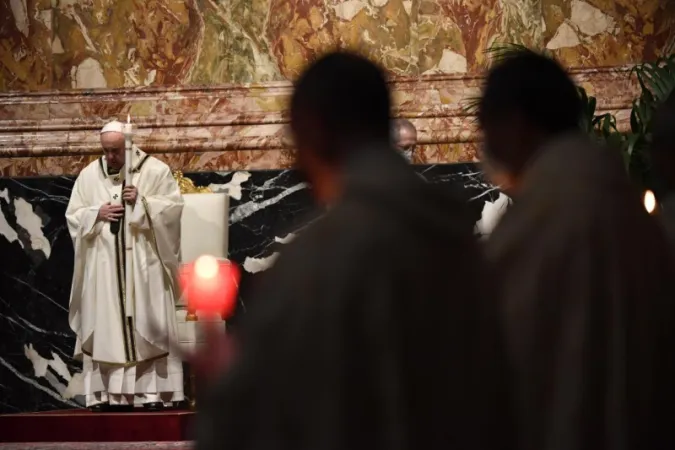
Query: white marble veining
[[233, 188], [585, 21], [243, 211], [31, 222], [41, 368], [6, 229], [255, 265], [34, 383], [28, 220], [286, 239], [492, 213]]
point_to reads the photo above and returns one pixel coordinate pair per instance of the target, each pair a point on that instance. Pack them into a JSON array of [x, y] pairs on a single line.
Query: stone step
[[82, 425]]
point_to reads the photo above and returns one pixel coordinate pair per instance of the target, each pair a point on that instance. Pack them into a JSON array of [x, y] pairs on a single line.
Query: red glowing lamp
[[210, 285]]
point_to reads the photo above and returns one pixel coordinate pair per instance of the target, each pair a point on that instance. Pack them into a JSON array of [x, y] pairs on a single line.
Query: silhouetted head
[[662, 150], [112, 141], [528, 99], [340, 106]]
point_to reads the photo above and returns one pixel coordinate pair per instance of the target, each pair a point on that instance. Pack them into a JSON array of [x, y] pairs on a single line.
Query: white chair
[[204, 227], [204, 231]]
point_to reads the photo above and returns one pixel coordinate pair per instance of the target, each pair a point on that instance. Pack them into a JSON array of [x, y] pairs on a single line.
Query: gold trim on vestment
[[120, 253], [139, 166], [127, 364], [100, 164]]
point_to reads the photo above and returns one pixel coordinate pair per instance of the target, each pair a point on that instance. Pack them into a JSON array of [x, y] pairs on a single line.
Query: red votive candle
[[211, 285]]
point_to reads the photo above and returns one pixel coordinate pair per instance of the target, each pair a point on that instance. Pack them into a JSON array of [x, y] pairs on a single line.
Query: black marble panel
[[36, 261]]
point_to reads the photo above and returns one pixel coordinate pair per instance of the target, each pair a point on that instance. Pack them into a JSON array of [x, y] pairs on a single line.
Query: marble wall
[[233, 127], [87, 44], [267, 208], [206, 81]]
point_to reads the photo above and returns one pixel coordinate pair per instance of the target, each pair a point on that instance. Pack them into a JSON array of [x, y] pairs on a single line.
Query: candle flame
[[206, 267], [128, 118], [649, 201]]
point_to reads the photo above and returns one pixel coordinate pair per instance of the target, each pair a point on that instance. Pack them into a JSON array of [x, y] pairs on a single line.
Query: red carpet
[[99, 446], [81, 425]]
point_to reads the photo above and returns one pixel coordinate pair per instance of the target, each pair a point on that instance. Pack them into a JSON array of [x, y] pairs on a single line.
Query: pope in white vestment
[[124, 332]]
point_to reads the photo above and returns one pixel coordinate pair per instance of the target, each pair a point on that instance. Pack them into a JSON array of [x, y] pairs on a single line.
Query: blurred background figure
[[405, 136], [374, 329], [663, 161], [587, 282]]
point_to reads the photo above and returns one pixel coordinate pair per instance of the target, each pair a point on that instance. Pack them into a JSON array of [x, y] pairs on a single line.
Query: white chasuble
[[124, 332]]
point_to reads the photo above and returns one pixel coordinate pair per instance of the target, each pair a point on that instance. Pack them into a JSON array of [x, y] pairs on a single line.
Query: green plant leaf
[[470, 106], [500, 51], [634, 120], [591, 106], [656, 81]]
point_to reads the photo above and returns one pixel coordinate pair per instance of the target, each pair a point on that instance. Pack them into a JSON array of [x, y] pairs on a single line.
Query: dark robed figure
[[587, 281], [663, 162], [375, 329]]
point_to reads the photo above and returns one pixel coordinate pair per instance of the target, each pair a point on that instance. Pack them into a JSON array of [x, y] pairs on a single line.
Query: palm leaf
[[470, 106], [500, 51], [656, 80], [588, 110]]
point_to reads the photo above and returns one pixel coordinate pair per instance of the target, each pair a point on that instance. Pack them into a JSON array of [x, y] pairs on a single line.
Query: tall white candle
[[128, 208], [128, 132]]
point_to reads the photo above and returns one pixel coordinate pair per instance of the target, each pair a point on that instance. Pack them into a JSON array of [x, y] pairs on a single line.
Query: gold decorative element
[[193, 390], [187, 186]]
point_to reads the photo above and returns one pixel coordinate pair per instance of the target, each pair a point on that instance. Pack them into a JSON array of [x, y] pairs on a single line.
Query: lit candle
[[649, 200], [128, 129], [211, 285]]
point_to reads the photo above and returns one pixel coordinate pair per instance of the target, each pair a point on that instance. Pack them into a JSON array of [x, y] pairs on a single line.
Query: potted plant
[[656, 80]]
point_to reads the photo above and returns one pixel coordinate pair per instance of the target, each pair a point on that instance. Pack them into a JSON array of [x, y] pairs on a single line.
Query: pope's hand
[[130, 194], [110, 212]]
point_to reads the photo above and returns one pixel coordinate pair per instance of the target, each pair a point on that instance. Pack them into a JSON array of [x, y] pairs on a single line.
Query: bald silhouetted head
[[527, 100], [340, 106]]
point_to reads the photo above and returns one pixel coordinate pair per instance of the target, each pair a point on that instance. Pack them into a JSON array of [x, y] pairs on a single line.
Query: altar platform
[[185, 445], [157, 430]]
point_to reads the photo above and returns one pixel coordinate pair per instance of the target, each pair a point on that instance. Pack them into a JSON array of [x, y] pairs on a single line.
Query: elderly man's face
[[407, 140], [113, 149]]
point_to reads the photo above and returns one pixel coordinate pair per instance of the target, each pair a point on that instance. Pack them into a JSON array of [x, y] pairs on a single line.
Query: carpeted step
[[185, 445], [82, 425]]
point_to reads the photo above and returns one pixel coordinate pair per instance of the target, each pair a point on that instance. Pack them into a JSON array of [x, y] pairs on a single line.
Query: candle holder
[[210, 285]]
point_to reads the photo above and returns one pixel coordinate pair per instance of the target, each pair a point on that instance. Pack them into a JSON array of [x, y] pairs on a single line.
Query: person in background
[[376, 328], [662, 152], [588, 298], [405, 137]]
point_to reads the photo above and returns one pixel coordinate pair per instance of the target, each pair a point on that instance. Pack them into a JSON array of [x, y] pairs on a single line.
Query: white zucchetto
[[114, 126]]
